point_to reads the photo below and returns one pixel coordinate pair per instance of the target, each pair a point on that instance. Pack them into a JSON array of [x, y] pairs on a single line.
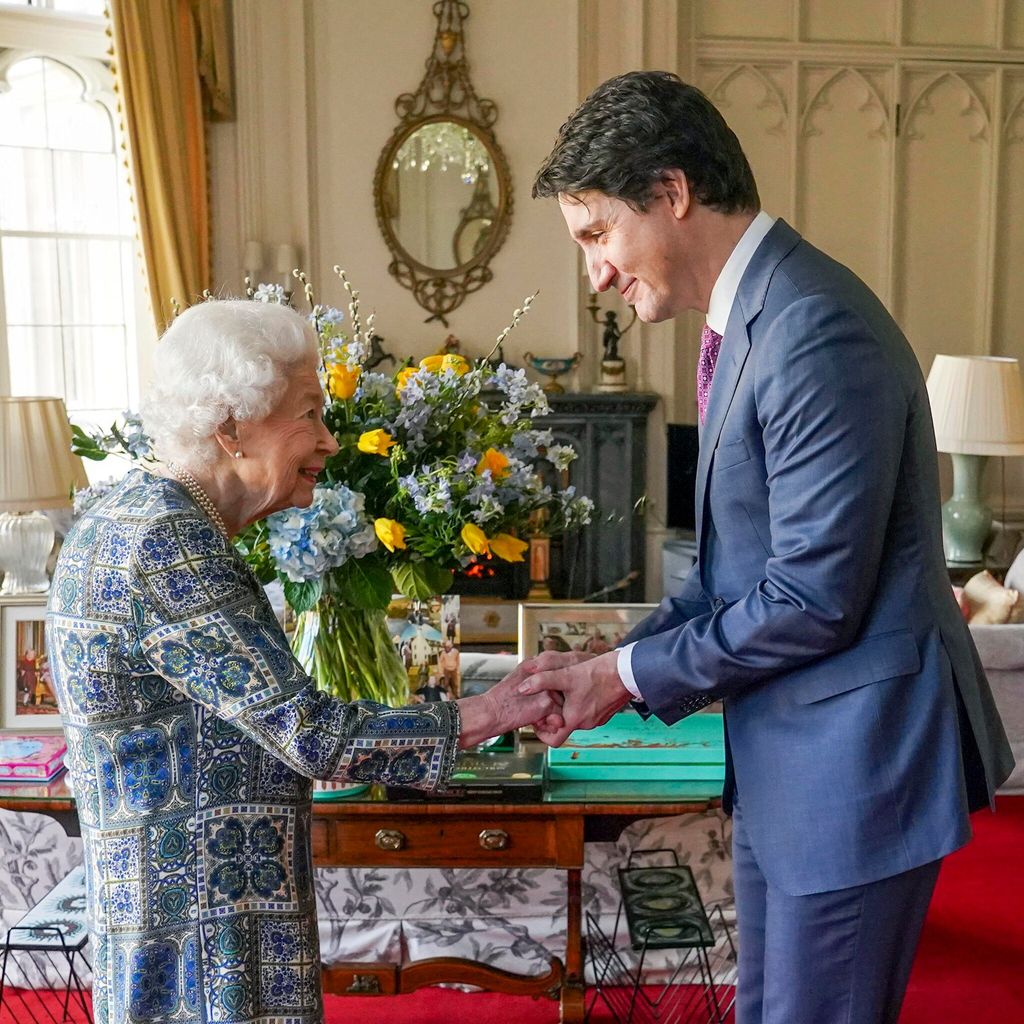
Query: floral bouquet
[[436, 468]]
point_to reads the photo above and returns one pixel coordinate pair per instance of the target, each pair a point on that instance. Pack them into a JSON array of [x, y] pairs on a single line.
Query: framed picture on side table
[[29, 701], [563, 626]]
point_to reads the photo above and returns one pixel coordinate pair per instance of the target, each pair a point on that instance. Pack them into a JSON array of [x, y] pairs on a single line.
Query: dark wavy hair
[[635, 126]]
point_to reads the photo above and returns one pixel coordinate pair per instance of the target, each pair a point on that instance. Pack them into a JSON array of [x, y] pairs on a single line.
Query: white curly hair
[[221, 359]]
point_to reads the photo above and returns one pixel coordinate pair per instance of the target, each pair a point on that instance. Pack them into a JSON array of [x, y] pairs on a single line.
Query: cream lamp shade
[[37, 471], [977, 405], [37, 468]]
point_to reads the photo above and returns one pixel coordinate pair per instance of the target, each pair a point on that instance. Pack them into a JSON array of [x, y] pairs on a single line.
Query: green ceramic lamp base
[[966, 520]]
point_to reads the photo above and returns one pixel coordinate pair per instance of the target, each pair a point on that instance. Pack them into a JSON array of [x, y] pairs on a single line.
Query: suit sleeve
[[204, 626], [832, 413], [673, 611]]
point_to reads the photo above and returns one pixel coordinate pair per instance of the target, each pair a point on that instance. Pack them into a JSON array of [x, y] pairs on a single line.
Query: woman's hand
[[503, 708]]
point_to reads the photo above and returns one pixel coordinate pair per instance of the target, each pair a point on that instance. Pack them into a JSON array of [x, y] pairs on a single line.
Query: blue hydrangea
[[306, 542], [374, 386]]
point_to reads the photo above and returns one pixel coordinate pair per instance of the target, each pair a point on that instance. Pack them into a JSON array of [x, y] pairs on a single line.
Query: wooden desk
[[370, 831]]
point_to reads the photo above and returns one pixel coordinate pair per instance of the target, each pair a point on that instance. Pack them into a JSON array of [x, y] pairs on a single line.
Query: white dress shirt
[[723, 295]]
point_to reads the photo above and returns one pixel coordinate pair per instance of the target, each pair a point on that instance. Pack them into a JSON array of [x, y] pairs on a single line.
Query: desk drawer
[[444, 841]]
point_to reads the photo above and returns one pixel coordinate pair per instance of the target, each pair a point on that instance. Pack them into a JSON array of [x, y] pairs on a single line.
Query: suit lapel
[[732, 356]]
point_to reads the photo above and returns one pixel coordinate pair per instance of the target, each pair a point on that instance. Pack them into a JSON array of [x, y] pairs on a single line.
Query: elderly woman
[[192, 732]]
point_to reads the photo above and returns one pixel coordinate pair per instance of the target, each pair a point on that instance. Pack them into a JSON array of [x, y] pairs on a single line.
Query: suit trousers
[[840, 957]]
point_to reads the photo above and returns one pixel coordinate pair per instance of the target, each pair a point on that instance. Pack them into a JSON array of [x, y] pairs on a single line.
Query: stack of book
[[31, 758]]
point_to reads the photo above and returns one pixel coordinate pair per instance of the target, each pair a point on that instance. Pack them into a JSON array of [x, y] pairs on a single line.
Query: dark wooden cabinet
[[610, 433]]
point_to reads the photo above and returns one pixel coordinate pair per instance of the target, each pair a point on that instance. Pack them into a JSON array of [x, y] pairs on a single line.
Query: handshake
[[555, 692]]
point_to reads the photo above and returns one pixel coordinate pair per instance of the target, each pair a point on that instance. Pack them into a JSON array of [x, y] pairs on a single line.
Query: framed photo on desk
[[563, 626], [29, 701]]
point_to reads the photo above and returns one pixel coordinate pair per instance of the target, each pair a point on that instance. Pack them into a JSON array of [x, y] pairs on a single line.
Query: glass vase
[[350, 654]]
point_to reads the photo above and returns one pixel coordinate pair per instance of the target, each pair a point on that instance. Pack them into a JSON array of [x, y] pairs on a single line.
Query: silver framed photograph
[[564, 626], [29, 697]]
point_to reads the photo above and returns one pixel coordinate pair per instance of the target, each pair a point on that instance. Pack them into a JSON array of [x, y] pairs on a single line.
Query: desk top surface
[[601, 798]]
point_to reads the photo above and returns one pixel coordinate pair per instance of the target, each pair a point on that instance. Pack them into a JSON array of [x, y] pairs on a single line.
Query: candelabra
[[613, 366]]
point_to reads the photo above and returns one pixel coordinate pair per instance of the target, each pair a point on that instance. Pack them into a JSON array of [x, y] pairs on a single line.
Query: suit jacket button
[[717, 603]]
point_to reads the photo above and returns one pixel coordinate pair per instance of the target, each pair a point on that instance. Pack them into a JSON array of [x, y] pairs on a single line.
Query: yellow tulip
[[403, 377], [342, 381], [389, 533], [455, 362], [432, 364], [475, 539], [375, 442], [508, 548], [493, 460]]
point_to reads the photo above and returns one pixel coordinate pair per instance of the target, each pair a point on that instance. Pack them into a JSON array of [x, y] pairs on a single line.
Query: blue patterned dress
[[192, 738]]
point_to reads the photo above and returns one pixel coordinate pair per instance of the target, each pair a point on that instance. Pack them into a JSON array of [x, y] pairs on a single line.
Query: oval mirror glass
[[441, 195]]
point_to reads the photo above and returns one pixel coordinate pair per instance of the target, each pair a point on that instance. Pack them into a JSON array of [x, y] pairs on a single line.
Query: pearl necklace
[[198, 495]]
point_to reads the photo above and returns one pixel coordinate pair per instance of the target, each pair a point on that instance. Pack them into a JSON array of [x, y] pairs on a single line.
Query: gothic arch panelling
[[1008, 296], [844, 155], [773, 99], [1013, 122], [944, 223], [819, 100], [973, 105], [757, 102]]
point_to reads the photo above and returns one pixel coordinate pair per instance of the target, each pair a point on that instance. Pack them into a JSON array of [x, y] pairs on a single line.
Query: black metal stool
[[54, 927], [664, 911]]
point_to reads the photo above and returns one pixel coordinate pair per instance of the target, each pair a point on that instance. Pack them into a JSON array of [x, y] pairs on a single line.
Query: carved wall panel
[[1008, 299], [943, 210], [975, 23], [754, 100], [1015, 23], [867, 21], [740, 19], [844, 164]]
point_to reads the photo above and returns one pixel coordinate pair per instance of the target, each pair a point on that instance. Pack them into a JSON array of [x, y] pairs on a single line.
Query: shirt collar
[[724, 292]]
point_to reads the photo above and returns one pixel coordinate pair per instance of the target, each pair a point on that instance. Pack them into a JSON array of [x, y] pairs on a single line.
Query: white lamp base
[[26, 541]]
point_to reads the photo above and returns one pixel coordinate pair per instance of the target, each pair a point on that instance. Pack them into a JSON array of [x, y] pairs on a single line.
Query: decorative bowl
[[553, 367]]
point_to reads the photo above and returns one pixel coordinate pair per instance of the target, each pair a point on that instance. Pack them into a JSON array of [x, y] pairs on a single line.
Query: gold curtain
[[172, 70]]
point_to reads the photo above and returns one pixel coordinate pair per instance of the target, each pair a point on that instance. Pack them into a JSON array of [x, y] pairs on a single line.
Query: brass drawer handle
[[389, 839], [494, 839]]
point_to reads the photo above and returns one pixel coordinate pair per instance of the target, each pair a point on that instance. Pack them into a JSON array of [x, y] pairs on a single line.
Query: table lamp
[[978, 409], [37, 471]]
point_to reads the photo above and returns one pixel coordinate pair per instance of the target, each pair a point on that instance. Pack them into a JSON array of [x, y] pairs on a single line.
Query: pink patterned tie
[[710, 344]]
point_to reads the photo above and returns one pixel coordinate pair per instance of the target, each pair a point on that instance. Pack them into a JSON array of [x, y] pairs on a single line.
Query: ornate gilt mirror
[[442, 189]]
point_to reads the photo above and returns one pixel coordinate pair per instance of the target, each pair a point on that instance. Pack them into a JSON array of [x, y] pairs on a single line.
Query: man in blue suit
[[860, 728]]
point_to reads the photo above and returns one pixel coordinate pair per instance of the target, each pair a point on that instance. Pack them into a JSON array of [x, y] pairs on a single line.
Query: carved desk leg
[[572, 997]]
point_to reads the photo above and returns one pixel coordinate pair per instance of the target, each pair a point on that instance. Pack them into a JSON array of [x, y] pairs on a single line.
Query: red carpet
[[969, 968]]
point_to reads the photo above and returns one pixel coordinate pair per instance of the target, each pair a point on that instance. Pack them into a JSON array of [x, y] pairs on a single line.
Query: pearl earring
[[238, 454]]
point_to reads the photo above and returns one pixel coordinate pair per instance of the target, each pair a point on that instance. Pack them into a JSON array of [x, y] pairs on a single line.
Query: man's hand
[[590, 687]]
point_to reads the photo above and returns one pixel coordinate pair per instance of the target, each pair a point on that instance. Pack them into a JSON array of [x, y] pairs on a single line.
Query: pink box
[[35, 757]]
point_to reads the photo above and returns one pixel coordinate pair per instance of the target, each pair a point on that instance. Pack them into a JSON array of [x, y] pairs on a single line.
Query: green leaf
[[84, 445], [302, 596], [363, 583], [420, 580]]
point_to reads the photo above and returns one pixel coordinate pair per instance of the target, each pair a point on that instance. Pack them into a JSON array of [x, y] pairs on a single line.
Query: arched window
[[71, 284]]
